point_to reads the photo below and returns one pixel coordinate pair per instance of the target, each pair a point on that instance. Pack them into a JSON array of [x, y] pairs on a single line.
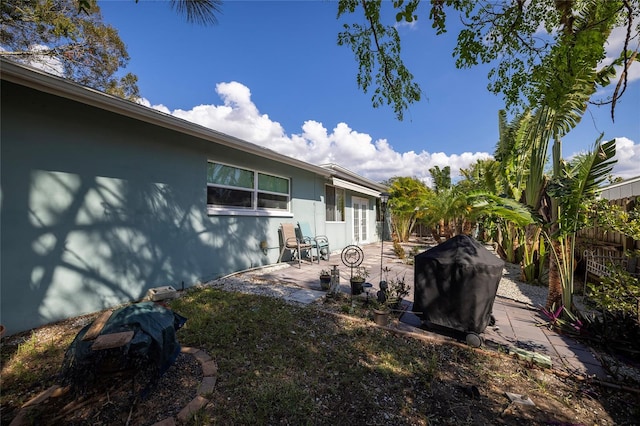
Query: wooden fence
[[605, 243]]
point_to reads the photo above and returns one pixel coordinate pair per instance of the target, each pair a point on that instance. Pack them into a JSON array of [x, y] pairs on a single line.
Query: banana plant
[[503, 207], [573, 185], [566, 80], [534, 255], [517, 157]]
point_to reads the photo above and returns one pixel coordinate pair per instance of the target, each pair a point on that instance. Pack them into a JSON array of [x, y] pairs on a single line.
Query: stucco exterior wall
[[97, 208]]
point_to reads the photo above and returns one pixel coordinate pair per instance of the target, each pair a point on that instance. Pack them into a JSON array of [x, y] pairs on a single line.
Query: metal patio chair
[[291, 242], [318, 242]]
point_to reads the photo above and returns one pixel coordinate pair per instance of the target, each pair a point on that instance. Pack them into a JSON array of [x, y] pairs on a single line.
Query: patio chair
[[291, 242], [318, 242]]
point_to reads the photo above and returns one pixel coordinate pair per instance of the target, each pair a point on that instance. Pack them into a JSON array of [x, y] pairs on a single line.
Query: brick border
[[210, 376]]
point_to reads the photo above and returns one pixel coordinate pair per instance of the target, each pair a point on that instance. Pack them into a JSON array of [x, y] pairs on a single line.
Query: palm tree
[[407, 201], [202, 12], [484, 176], [448, 206], [446, 210], [441, 178]]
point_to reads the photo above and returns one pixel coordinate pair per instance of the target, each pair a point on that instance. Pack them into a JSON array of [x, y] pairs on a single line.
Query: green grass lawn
[[285, 364]]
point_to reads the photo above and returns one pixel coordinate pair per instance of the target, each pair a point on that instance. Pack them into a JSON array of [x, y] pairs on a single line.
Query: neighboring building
[[102, 199], [604, 242], [626, 189]]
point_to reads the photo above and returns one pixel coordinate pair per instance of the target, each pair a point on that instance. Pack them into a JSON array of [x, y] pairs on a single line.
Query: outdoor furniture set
[[301, 242]]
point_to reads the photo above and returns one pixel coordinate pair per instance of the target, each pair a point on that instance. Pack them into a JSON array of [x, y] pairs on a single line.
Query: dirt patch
[[125, 399], [133, 398]]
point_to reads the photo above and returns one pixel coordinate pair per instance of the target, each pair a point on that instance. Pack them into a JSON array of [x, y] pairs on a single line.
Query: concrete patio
[[519, 329]]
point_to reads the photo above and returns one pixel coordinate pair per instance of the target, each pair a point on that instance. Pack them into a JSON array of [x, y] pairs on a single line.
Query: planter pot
[[381, 316], [356, 287], [325, 282]]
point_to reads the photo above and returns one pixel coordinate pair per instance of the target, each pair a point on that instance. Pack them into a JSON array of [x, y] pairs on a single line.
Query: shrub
[[617, 297], [398, 250], [617, 294]]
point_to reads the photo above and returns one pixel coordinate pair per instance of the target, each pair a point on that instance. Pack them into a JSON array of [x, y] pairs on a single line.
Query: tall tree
[[519, 37], [54, 36], [203, 12], [377, 50], [567, 82]]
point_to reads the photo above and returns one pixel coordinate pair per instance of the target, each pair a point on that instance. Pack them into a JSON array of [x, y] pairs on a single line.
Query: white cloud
[[413, 25], [159, 107], [628, 156], [374, 159]]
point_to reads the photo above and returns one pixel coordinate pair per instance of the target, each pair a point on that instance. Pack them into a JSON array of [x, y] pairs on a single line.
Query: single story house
[[102, 199]]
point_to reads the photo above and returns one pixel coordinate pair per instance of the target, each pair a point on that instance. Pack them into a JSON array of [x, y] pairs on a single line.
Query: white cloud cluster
[[374, 159], [628, 156]]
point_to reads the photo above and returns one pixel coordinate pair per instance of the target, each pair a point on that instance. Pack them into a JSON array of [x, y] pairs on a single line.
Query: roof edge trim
[[58, 86], [355, 187]]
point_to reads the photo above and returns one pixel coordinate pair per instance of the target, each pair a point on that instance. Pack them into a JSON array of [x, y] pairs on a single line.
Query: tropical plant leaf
[[505, 208], [582, 177]]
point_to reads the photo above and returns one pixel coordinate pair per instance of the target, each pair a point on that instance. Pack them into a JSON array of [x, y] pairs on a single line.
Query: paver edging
[[210, 375]]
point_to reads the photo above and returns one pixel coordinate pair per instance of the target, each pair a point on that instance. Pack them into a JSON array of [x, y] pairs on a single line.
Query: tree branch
[[380, 50], [626, 62]]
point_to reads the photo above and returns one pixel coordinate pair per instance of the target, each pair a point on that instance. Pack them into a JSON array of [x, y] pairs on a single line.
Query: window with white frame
[[334, 200], [237, 188]]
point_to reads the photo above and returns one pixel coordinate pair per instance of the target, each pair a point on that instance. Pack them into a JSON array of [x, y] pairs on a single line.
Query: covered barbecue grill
[[455, 286]]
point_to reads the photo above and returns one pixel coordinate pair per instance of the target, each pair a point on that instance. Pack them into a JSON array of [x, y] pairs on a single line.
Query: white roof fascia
[[58, 86], [355, 187], [343, 174], [621, 183]]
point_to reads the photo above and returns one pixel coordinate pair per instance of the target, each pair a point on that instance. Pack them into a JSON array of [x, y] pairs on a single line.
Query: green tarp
[[154, 344]]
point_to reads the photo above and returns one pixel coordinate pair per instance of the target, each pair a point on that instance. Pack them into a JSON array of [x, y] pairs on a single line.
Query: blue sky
[[272, 73]]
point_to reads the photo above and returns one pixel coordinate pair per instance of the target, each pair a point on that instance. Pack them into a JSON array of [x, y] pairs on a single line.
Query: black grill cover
[[456, 283]]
